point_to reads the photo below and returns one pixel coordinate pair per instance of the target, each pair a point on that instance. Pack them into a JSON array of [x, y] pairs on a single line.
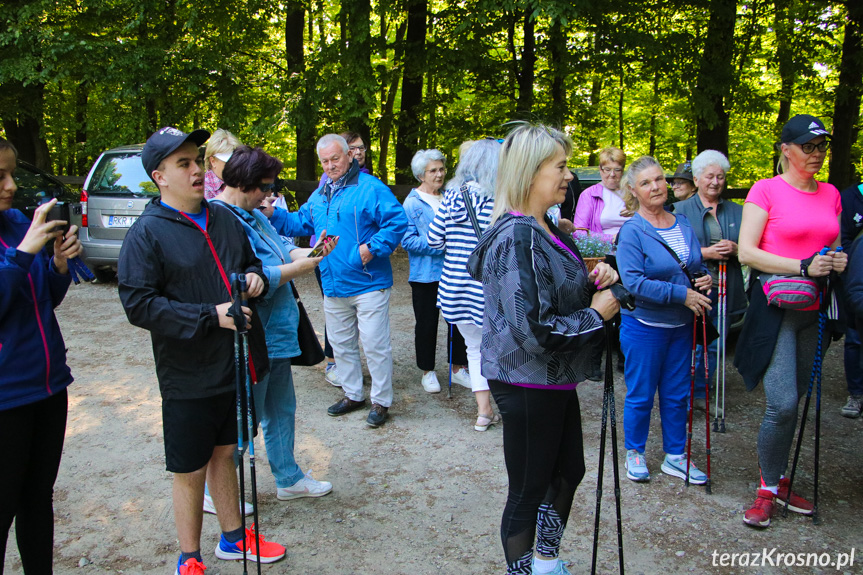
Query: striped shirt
[[459, 296], [673, 236]]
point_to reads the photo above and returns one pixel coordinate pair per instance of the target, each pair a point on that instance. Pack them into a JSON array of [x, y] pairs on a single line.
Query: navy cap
[[803, 128], [164, 142]]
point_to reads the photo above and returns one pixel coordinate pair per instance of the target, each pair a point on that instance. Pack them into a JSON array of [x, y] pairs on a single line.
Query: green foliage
[[100, 73]]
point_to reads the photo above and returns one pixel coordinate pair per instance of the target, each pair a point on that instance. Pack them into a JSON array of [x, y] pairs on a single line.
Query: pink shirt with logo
[[799, 224]]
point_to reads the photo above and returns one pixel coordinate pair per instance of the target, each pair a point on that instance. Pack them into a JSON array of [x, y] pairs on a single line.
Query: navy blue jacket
[[32, 353]]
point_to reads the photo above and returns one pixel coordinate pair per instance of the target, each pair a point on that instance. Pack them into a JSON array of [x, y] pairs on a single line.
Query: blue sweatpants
[[657, 358]]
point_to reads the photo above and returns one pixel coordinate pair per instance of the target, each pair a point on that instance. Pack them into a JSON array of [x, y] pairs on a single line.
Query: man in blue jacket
[[356, 277]]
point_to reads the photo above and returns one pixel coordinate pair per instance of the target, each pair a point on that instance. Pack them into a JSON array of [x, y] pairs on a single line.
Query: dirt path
[[423, 494]]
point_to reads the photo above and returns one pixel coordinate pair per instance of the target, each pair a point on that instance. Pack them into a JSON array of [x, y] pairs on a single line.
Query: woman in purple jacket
[[600, 206], [33, 401]]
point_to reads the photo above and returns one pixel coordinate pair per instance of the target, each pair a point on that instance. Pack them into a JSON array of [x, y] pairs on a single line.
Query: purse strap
[[679, 263], [471, 213]]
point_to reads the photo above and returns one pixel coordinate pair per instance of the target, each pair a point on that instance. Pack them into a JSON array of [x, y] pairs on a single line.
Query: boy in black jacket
[[173, 281]]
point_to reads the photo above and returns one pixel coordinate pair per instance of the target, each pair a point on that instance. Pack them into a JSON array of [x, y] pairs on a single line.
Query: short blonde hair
[[221, 142], [612, 154], [525, 150], [628, 181]]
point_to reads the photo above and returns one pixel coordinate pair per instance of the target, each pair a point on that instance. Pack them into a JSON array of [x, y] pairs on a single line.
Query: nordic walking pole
[[240, 325], [691, 396], [722, 303], [250, 428], [706, 396], [822, 320], [608, 405], [609, 375]]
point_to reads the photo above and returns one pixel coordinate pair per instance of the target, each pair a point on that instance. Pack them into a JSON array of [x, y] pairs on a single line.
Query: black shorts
[[194, 427]]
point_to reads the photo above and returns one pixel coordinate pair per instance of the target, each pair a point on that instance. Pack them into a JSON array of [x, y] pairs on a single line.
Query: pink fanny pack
[[790, 292]]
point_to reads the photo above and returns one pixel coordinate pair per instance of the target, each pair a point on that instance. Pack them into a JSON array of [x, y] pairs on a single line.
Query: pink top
[[799, 223]]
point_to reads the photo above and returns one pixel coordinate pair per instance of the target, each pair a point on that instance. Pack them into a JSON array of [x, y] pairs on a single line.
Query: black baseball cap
[[803, 128], [164, 142]]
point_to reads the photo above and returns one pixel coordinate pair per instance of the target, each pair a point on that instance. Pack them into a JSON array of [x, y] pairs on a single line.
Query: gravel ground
[[424, 493]]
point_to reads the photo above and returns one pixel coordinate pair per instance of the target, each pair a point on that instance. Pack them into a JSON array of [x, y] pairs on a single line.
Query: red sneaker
[[191, 567], [270, 551], [759, 514], [795, 503]]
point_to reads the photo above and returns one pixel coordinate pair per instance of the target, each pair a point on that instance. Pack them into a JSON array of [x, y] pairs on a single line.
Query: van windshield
[[121, 175]]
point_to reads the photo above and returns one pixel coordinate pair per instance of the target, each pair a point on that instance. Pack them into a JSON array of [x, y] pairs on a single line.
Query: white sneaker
[[430, 382], [305, 487], [210, 507], [462, 377], [332, 375]]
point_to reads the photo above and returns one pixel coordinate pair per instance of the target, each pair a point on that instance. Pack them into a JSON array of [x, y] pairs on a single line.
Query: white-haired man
[[356, 277]]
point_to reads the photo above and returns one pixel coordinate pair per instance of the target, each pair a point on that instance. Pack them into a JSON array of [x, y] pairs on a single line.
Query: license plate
[[121, 221]]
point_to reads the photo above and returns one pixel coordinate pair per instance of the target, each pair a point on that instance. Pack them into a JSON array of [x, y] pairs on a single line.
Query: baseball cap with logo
[[803, 128], [164, 142]]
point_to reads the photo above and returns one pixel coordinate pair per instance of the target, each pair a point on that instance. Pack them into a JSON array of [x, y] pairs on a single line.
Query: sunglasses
[[267, 188], [809, 147]]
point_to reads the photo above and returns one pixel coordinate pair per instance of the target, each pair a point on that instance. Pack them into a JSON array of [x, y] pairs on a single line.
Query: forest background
[[661, 77]]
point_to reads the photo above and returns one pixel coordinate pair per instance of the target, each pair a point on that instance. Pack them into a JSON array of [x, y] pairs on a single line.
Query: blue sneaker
[[636, 466], [270, 552], [560, 569], [676, 466]]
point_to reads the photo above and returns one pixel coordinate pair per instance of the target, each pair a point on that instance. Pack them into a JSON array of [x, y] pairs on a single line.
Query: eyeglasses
[[358, 148], [436, 171], [606, 170], [676, 183], [809, 147], [266, 188]]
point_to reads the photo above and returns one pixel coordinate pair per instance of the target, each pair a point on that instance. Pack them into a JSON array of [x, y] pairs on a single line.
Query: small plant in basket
[[593, 245]]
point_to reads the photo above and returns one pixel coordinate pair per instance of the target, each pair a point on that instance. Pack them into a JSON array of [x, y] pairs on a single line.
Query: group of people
[[491, 250]]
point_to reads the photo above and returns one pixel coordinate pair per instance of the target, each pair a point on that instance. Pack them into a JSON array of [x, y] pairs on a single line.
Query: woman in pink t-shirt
[[787, 220]]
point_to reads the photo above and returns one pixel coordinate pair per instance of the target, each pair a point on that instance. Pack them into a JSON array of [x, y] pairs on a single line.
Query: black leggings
[[544, 453], [34, 434], [426, 312]]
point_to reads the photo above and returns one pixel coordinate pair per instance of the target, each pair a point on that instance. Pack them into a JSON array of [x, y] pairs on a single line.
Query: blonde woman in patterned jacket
[[543, 317]]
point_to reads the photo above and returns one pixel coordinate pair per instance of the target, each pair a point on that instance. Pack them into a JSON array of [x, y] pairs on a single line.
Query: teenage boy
[[173, 281]]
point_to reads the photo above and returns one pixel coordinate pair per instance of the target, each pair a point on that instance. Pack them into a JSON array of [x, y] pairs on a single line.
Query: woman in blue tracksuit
[[656, 337], [426, 265], [33, 371], [249, 177]]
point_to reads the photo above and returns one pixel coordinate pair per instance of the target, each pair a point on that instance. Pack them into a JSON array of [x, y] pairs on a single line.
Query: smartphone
[[319, 248]]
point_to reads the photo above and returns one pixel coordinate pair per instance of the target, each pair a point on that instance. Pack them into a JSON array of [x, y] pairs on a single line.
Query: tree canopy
[[660, 77]]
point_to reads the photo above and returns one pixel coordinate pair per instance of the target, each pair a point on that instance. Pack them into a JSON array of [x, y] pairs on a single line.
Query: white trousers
[[365, 316], [472, 339]]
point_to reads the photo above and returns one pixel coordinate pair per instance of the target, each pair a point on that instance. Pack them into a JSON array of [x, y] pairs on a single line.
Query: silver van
[[114, 195]]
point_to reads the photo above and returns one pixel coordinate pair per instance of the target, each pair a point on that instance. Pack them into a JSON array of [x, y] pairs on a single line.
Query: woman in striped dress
[[460, 297], [656, 337]]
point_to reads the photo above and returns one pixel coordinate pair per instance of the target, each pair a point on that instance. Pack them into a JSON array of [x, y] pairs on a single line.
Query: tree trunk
[[846, 110], [306, 117], [23, 128], [526, 68], [593, 120], [620, 110], [386, 123], [783, 24], [654, 109], [359, 92], [557, 55], [715, 77], [407, 138]]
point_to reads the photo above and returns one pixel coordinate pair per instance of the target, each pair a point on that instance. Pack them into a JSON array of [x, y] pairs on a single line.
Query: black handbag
[[311, 352]]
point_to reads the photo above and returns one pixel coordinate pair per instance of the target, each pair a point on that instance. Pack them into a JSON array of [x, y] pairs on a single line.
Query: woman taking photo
[[599, 206], [716, 224], [249, 177], [787, 220], [460, 296], [33, 398], [426, 265], [538, 336], [656, 337]]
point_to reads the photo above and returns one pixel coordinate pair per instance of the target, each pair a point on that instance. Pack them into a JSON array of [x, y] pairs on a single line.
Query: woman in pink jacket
[[599, 206]]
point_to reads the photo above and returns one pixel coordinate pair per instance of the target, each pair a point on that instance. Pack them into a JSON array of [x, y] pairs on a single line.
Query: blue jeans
[[276, 405], [656, 359], [853, 373]]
